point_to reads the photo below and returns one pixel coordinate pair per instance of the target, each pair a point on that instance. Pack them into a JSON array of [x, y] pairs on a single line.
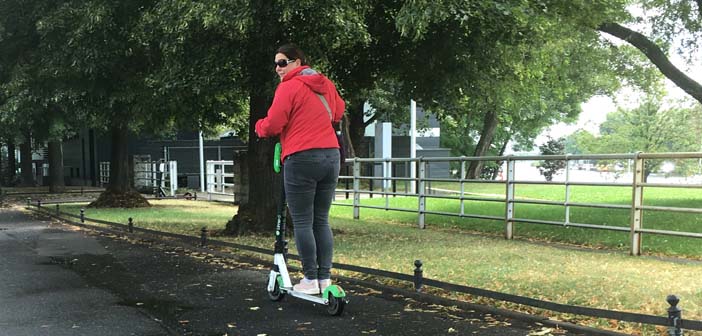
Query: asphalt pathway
[[58, 280]]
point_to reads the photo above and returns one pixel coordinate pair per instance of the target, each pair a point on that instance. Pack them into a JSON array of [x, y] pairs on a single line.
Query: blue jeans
[[310, 179]]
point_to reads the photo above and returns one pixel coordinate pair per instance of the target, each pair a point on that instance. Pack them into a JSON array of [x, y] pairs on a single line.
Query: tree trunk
[[496, 173], [656, 56], [120, 193], [258, 212], [26, 162], [347, 140], [486, 136], [11, 163], [56, 181], [119, 164]]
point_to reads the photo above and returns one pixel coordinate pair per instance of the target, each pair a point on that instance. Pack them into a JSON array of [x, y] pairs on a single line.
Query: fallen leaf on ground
[[542, 332]]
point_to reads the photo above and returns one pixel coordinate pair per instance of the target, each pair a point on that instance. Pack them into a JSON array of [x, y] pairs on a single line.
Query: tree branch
[[657, 57]]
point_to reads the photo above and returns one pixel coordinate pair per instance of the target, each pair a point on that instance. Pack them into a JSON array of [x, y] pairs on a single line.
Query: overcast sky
[[595, 110]]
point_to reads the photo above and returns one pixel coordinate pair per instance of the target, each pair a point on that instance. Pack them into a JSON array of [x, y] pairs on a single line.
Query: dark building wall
[[81, 164]]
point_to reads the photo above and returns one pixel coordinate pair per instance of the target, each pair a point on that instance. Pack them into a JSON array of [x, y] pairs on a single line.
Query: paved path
[[60, 281], [41, 296]]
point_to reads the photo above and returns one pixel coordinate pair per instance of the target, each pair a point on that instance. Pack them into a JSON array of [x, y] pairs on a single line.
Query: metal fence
[[622, 170], [104, 177], [159, 176], [220, 177]]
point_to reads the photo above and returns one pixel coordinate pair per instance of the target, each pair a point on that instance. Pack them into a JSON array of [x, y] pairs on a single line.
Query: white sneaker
[[307, 287], [323, 284]]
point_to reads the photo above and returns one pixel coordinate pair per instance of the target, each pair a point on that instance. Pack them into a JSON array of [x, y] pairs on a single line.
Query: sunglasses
[[283, 63]]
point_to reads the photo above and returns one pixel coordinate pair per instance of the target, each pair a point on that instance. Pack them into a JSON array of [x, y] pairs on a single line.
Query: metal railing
[[220, 178], [104, 171], [634, 179], [159, 176]]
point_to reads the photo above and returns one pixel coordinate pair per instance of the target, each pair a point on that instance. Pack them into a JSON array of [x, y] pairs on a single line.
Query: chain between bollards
[[130, 225], [674, 316], [203, 237], [418, 275]]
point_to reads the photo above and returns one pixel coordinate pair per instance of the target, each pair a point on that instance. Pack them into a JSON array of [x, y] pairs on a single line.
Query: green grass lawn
[[602, 278]]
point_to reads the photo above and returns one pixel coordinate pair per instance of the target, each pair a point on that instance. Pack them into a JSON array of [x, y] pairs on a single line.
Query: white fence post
[[463, 186], [356, 188], [567, 191], [636, 204], [421, 195], [509, 199], [173, 175], [210, 178]]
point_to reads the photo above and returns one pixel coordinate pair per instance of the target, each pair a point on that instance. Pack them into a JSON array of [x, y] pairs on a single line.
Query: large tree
[[318, 32], [530, 28], [28, 108], [212, 61], [98, 68], [514, 67]]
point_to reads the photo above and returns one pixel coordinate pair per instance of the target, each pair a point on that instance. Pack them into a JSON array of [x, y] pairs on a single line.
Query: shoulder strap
[[326, 105]]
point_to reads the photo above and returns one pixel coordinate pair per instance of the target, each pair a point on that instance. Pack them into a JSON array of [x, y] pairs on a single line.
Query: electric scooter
[[279, 283]]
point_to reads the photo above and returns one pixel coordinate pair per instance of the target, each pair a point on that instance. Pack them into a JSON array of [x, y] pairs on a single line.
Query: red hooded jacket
[[299, 116]]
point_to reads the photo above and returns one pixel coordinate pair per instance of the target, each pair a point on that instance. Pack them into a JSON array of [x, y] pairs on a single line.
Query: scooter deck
[[309, 297]]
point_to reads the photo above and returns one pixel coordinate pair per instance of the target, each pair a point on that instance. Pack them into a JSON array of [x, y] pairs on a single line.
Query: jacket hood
[[310, 77]]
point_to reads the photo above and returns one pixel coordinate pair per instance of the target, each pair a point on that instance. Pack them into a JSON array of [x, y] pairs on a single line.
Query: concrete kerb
[[418, 296]]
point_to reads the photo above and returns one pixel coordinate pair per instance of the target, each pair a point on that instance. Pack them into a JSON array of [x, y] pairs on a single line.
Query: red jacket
[[299, 116]]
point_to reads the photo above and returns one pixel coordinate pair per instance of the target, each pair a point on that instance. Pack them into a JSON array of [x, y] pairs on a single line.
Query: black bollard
[[674, 316], [418, 275], [29, 201], [203, 237], [130, 225], [82, 215], [38, 203], [58, 212]]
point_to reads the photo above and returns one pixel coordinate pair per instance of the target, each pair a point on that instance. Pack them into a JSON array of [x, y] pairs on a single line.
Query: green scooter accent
[[335, 290], [276, 157]]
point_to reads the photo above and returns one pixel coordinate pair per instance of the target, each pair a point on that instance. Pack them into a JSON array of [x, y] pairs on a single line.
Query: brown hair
[[291, 51]]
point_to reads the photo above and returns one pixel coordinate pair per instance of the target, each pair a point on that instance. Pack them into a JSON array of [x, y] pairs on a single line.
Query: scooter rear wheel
[[276, 294], [336, 305]]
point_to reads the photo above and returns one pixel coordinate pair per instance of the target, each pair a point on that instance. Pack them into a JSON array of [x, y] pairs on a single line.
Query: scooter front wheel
[[276, 294], [336, 305]]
